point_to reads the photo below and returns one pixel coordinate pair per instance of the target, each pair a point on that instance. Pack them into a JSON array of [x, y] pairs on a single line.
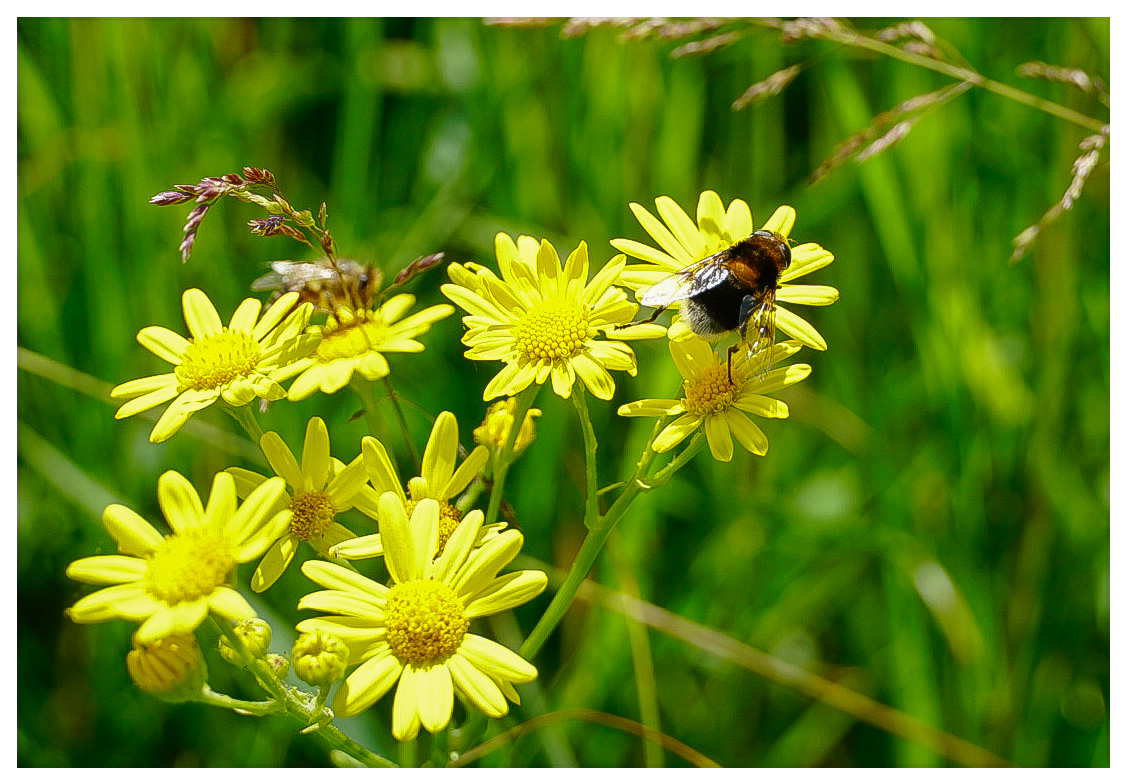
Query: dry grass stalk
[[1080, 170], [1073, 76], [771, 85]]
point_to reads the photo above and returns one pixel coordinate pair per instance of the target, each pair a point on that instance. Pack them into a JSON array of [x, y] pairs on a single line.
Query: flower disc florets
[[190, 565], [552, 331], [313, 513], [711, 393], [215, 360], [425, 622]]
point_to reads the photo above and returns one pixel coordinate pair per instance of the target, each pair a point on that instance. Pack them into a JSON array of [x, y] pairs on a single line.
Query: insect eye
[[786, 256]]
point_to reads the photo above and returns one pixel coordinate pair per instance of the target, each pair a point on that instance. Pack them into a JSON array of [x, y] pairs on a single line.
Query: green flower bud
[[278, 664], [255, 636], [319, 659]]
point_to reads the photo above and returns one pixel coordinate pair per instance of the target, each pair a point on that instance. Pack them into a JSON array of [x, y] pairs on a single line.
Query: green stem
[[590, 456], [596, 538], [415, 459], [246, 419], [504, 457], [408, 753], [364, 391], [292, 702]]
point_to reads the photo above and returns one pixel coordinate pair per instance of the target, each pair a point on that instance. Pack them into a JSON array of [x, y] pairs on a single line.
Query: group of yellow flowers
[[542, 319]]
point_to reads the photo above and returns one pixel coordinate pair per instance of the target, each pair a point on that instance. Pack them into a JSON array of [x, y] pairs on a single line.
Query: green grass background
[[957, 426]]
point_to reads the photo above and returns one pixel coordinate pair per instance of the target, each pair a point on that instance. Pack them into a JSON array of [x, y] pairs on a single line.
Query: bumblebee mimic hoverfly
[[732, 289], [349, 284]]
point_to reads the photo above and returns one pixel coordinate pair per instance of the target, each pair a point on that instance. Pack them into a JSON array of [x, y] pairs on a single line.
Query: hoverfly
[[732, 289], [349, 283]]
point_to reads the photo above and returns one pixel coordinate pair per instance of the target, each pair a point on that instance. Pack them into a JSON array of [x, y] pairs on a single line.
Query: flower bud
[[319, 659], [171, 668], [278, 664], [493, 432], [255, 636]]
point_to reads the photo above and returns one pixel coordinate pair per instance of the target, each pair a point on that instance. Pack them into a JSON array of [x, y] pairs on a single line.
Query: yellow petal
[[133, 534], [179, 502], [200, 315], [370, 681]]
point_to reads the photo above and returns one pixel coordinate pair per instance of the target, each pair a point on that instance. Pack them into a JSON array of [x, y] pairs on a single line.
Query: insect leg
[[746, 308], [652, 317]]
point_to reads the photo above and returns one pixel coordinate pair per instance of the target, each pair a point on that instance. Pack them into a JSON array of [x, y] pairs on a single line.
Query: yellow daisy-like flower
[[415, 631], [719, 403], [441, 480], [237, 363], [170, 583], [321, 487], [355, 342], [541, 318], [684, 241]]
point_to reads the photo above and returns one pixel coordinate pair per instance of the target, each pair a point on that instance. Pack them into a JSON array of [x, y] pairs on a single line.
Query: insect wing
[[268, 282], [697, 277], [291, 275], [762, 320]]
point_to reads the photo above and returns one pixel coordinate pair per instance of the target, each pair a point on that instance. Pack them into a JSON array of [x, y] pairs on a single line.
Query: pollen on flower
[[312, 514], [426, 622], [190, 565], [218, 359], [553, 330], [711, 392]]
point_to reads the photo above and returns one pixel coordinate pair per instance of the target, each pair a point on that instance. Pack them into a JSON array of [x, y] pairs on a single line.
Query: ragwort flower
[[415, 631], [321, 487], [542, 318], [355, 342], [237, 363], [442, 479], [719, 403], [170, 583], [683, 241]]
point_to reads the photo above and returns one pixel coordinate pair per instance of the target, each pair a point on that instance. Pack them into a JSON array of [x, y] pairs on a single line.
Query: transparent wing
[[760, 336], [696, 277], [291, 274]]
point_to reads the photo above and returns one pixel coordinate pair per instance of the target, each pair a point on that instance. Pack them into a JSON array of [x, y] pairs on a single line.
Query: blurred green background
[[931, 526]]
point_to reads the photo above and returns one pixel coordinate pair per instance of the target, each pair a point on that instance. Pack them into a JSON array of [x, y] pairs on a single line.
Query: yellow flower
[[170, 583], [356, 342], [238, 363], [542, 318], [720, 404], [321, 487], [684, 241], [415, 631], [439, 481]]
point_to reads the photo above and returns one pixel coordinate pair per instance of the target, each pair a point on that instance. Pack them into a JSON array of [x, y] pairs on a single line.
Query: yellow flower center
[[448, 520], [712, 392], [190, 565], [553, 330], [219, 359], [313, 513], [425, 622], [351, 339]]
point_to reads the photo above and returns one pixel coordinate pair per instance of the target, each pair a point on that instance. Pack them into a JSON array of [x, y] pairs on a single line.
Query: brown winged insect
[[732, 289]]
